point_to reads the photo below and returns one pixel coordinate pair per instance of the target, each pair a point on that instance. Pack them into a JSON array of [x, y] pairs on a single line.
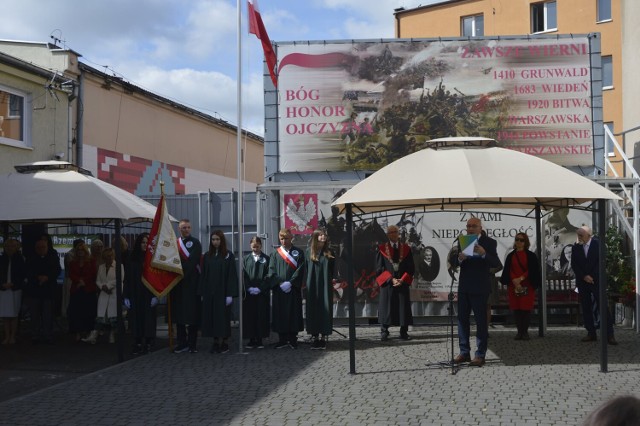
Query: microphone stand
[[451, 297]]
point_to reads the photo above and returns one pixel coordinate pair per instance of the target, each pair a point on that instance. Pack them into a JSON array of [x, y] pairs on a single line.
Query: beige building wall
[[137, 125], [513, 17], [631, 63]]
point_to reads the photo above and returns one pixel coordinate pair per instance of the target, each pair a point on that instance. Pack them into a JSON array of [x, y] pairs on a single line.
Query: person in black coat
[[474, 286], [139, 300], [43, 269], [585, 261]]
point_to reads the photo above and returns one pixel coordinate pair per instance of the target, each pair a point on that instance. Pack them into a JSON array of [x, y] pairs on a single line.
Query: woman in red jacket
[[521, 275]]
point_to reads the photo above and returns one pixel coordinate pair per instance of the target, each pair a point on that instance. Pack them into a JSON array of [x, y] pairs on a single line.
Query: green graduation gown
[[218, 281], [319, 307], [287, 307], [255, 309]]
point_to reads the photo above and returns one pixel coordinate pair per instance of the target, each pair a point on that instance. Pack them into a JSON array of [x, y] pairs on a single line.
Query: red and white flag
[[256, 26], [162, 268]]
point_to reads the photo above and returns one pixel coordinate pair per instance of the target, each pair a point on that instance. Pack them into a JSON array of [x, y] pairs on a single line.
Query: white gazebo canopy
[[471, 177], [60, 192]]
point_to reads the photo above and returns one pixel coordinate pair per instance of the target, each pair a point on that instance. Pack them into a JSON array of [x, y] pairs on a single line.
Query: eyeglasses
[[520, 240]]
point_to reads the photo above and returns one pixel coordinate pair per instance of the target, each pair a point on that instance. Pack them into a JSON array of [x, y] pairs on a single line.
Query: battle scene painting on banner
[[362, 105]]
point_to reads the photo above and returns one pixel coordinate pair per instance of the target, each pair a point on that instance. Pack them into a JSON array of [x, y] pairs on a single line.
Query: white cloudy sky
[[186, 50]]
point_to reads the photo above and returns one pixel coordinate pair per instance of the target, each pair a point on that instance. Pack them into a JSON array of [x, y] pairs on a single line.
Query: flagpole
[[240, 168], [169, 323]]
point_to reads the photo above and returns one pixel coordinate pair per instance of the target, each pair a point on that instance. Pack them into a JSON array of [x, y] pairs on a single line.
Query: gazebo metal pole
[[351, 290], [120, 324], [602, 281], [542, 300]]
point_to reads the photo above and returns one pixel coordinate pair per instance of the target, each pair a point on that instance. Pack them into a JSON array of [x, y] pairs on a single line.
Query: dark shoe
[[224, 348], [193, 350], [281, 345], [518, 337], [137, 350], [293, 344], [477, 362], [215, 348], [405, 337], [315, 344], [148, 348], [525, 336], [181, 348], [259, 344], [462, 358], [612, 341], [323, 344], [384, 336], [252, 344], [589, 338]]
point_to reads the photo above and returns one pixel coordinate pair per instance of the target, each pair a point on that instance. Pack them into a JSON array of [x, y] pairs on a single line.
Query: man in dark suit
[[394, 275], [474, 286], [585, 261]]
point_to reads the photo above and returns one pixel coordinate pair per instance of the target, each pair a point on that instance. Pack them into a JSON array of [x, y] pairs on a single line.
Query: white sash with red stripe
[[287, 257], [184, 253]]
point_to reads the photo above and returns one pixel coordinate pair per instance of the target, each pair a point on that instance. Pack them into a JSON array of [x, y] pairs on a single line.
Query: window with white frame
[[544, 17], [607, 72], [604, 10], [14, 117], [608, 143], [473, 26]]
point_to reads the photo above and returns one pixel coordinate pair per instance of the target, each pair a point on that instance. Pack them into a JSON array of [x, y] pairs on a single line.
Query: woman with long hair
[[218, 286], [319, 280], [521, 275], [83, 292]]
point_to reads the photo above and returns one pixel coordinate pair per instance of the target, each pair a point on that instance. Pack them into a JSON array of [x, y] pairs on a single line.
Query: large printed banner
[[362, 105], [431, 236]]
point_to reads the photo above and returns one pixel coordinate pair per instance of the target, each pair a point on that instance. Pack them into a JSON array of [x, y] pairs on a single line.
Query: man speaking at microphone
[[474, 286]]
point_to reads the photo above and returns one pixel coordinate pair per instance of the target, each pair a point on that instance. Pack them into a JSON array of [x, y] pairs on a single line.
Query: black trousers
[[187, 334]]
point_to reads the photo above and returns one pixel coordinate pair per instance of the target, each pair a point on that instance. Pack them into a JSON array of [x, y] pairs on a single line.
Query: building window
[[609, 144], [604, 10], [607, 72], [13, 117], [473, 26], [544, 17]]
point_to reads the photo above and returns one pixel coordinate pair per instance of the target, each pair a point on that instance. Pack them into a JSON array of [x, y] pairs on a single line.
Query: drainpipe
[[80, 120]]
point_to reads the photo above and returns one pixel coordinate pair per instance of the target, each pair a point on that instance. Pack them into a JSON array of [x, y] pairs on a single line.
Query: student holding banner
[[286, 267]]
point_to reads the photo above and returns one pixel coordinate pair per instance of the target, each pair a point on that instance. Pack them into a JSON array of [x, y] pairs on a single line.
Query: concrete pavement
[[553, 380]]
